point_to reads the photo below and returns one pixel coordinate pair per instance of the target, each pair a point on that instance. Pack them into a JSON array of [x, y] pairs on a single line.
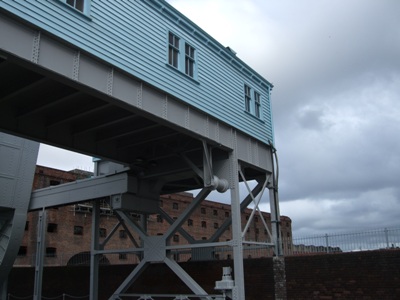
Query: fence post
[[387, 238], [327, 243]]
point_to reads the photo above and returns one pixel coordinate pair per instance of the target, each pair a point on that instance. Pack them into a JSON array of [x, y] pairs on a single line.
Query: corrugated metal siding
[[132, 35]]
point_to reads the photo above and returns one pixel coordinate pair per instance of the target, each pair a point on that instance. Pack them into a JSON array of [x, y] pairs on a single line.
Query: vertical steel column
[[40, 249], [238, 292], [94, 256], [275, 221], [274, 204]]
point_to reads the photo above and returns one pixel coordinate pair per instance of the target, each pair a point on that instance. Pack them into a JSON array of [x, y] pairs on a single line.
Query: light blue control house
[[162, 106]]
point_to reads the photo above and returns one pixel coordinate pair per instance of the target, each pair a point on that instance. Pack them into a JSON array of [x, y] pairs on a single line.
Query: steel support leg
[[238, 290], [40, 249], [94, 256], [275, 222]]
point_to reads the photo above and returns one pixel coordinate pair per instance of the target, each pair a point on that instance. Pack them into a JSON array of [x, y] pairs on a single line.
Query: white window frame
[[257, 104], [247, 98], [85, 8], [186, 55], [173, 50], [189, 60], [252, 101]]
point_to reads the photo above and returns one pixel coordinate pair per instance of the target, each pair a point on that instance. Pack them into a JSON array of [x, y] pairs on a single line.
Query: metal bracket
[[207, 174]]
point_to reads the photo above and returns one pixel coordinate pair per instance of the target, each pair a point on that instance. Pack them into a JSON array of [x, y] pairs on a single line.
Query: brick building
[[68, 228]]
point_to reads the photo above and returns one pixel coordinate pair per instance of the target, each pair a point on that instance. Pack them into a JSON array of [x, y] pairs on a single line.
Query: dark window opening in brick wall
[[175, 205], [102, 232], [215, 212], [78, 230], [176, 238], [159, 219], [190, 222], [136, 217], [227, 214], [54, 182], [203, 224], [122, 256], [122, 234], [26, 225], [52, 227], [23, 250], [51, 252], [216, 225], [203, 210]]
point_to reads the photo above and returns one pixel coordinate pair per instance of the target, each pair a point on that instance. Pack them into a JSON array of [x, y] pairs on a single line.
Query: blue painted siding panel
[[132, 35]]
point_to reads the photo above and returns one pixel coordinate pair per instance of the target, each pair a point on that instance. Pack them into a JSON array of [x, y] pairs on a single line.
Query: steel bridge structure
[[148, 143]]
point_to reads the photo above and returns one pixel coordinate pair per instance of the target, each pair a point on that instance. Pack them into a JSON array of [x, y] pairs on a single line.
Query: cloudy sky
[[335, 66]]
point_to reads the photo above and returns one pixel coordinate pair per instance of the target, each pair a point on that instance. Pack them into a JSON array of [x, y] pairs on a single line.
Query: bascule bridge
[[163, 107]]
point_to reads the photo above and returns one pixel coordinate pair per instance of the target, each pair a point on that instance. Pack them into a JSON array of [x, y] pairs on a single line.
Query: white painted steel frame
[[256, 201], [101, 187]]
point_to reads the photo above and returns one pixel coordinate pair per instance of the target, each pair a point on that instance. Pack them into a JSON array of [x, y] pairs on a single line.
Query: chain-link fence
[[386, 238]]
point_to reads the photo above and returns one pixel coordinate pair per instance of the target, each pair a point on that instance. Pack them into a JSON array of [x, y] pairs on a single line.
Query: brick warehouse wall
[[357, 275]]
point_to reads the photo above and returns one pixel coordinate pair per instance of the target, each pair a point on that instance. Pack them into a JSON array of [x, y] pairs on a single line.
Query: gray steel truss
[[149, 143]]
